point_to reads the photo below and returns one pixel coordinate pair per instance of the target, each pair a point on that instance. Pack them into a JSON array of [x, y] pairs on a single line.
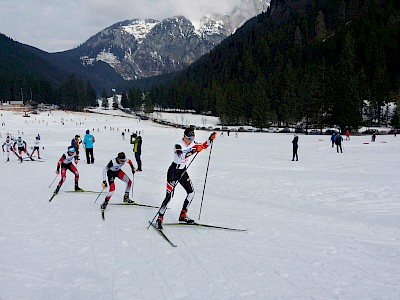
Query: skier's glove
[[57, 172], [212, 137], [133, 169], [198, 148], [104, 184]]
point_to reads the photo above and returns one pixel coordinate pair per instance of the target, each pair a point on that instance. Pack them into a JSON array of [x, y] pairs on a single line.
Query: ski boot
[[127, 200], [31, 158], [184, 218], [104, 205], [57, 190], [77, 188], [159, 221], [8, 159]]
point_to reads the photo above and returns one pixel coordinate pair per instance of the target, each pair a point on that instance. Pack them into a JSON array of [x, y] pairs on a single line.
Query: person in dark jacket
[[338, 142], [333, 137], [75, 143], [137, 149], [295, 147]]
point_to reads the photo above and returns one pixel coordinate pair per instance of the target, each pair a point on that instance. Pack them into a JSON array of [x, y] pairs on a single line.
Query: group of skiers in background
[[19, 146]]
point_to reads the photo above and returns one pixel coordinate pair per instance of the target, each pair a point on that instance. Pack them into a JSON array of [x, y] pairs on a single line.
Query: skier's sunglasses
[[190, 138]]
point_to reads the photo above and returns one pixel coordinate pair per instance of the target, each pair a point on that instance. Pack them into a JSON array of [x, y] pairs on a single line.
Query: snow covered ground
[[325, 227]]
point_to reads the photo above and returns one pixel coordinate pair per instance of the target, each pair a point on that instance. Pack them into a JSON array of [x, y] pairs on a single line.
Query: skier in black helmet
[[177, 173], [113, 170]]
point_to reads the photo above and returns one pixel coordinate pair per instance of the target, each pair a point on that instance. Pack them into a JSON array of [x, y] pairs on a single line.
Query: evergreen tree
[[124, 100]]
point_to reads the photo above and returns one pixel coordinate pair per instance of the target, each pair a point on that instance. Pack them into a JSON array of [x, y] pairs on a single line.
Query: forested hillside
[[301, 60], [24, 75]]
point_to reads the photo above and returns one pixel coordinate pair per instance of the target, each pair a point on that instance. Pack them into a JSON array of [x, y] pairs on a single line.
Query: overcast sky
[[57, 25]]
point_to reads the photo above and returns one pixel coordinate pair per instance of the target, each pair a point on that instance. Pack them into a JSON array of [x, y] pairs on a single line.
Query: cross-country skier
[[65, 163], [113, 170], [21, 145], [36, 147], [9, 147], [177, 173]]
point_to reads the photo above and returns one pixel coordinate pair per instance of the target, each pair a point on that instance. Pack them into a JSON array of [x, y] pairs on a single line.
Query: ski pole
[[133, 181], [205, 179], [53, 181], [172, 192], [98, 196]]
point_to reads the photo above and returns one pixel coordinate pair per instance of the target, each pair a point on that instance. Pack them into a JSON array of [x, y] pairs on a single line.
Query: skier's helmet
[[71, 150], [121, 157], [189, 134]]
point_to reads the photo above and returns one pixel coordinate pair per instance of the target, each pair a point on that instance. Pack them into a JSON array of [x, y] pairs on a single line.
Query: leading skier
[[177, 173]]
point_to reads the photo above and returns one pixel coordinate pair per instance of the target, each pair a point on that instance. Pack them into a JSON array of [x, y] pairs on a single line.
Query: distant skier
[[177, 173], [66, 163], [113, 170], [9, 147], [36, 146], [295, 147], [373, 138], [333, 138], [21, 145], [347, 135], [338, 142]]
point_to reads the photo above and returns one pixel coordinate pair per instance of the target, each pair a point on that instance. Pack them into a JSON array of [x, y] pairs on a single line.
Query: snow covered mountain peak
[[146, 47], [139, 28]]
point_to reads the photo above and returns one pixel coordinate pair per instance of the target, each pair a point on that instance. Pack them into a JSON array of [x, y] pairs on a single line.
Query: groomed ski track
[[325, 227]]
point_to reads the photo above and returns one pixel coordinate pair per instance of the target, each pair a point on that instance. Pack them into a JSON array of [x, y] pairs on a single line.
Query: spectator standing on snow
[[373, 138], [137, 149], [333, 138], [338, 142], [295, 147], [75, 144], [88, 142]]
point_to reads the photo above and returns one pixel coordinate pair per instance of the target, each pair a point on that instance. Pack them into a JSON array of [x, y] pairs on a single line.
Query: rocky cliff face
[[141, 48]]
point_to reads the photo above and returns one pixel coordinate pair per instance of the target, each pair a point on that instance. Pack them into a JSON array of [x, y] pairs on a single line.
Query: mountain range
[[142, 48]]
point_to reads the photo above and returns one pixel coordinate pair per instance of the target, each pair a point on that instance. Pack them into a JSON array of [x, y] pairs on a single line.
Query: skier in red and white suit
[[9, 147], [177, 173], [112, 171], [66, 163], [21, 145]]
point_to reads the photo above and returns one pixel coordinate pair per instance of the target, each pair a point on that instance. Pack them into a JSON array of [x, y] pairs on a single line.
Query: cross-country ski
[[203, 225]]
